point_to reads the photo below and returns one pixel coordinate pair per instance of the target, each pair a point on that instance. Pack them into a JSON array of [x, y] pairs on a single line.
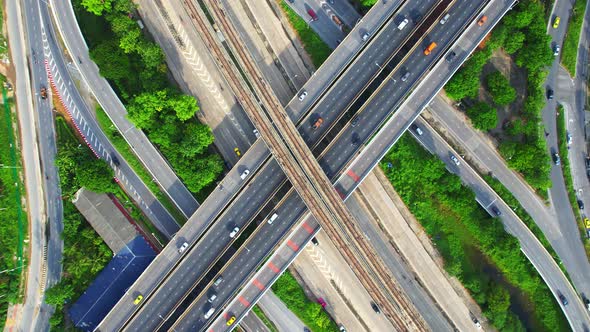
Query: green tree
[[112, 62], [184, 106], [483, 116], [500, 89], [59, 294], [97, 7], [96, 175], [143, 109], [196, 139], [151, 54], [514, 42]]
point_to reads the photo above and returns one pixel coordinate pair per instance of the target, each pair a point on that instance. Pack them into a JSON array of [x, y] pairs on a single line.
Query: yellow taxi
[[587, 223], [231, 320], [556, 22], [237, 151], [138, 299]]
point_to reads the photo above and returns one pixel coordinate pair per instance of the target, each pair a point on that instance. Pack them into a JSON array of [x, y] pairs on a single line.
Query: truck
[[318, 122], [429, 49], [313, 15], [43, 92]]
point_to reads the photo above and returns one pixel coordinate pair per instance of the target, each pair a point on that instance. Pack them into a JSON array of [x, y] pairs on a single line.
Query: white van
[[445, 18], [272, 218], [209, 313], [403, 24]]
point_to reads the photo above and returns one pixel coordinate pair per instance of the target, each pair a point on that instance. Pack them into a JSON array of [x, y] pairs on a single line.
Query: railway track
[[302, 169]]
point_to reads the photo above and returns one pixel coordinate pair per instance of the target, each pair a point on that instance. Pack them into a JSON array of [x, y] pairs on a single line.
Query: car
[[115, 160], [291, 1], [417, 130], [209, 313], [454, 159], [244, 174], [556, 22], [183, 247], [302, 95], [581, 205], [405, 77], [341, 328], [477, 323], [354, 122], [331, 2], [549, 94], [318, 122], [587, 222], [496, 211], [375, 307], [445, 18], [451, 56], [218, 281], [563, 299], [235, 231], [482, 20], [272, 218], [322, 302], [355, 140], [256, 133], [238, 152], [138, 299], [556, 50], [568, 138], [587, 303], [212, 298], [365, 36], [231, 320], [306, 329], [556, 159], [403, 24], [315, 241]]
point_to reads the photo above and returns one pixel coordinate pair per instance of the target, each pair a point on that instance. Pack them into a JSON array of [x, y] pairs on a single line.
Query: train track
[[302, 169]]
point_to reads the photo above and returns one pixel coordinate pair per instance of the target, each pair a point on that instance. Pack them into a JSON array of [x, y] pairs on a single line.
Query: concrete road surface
[[30, 318], [198, 75], [283, 318], [566, 243]]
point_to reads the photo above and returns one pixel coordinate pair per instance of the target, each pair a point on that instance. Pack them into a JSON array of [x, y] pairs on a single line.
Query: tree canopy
[[483, 116], [500, 89]]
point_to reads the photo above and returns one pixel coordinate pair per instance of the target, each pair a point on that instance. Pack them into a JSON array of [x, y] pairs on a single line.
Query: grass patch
[[569, 54], [313, 44], [124, 149], [311, 313], [475, 247], [270, 325], [12, 230]]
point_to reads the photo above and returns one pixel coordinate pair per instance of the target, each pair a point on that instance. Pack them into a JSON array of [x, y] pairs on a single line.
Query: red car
[[313, 15], [322, 302]]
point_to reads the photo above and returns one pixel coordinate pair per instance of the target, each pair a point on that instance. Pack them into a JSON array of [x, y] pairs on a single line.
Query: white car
[[256, 133], [302, 95], [272, 218], [244, 174], [455, 160], [183, 247], [234, 232]]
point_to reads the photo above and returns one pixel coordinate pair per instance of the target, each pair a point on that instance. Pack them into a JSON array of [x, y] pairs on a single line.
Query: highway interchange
[[263, 182]]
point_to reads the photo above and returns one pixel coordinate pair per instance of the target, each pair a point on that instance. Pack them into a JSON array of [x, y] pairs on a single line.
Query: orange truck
[[429, 49]]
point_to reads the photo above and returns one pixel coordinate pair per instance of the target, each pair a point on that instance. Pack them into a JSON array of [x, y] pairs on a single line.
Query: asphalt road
[[90, 129], [370, 118], [33, 314], [576, 313], [151, 158], [567, 242], [571, 93], [218, 199]]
